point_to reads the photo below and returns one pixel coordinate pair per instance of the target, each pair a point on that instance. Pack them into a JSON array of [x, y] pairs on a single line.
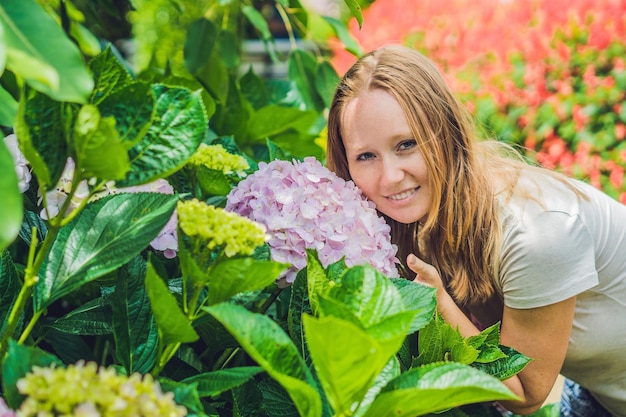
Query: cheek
[[363, 178]]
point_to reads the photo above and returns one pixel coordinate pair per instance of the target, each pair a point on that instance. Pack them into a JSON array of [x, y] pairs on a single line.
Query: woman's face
[[383, 157]]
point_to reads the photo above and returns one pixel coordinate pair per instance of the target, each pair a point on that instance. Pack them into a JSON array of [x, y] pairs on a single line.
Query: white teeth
[[402, 196]]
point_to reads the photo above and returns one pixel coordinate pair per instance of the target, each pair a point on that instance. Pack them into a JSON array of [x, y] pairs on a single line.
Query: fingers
[[425, 273]]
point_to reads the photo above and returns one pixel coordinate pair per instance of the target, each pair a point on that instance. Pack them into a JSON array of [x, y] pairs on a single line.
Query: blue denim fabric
[[576, 401]]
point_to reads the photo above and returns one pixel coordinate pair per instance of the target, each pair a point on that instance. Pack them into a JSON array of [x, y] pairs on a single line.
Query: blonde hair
[[461, 235]]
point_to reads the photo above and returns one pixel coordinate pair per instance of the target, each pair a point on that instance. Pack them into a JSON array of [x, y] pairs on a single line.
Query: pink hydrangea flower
[[21, 164], [306, 206], [5, 411]]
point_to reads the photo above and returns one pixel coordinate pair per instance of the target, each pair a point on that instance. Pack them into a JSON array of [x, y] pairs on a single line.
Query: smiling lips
[[402, 196]]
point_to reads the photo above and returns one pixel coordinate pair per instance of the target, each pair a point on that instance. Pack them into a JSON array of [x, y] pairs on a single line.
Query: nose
[[392, 172]]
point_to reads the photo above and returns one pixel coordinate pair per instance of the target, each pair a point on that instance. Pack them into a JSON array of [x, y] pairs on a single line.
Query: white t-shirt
[[570, 247]]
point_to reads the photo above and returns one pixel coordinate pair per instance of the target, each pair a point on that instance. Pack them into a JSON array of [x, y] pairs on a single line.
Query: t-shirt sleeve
[[547, 258]]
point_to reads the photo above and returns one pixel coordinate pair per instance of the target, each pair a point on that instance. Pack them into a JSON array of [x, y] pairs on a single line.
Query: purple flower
[[306, 206]]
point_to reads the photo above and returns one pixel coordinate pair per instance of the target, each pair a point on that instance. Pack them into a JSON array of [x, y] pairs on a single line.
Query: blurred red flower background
[[548, 75]]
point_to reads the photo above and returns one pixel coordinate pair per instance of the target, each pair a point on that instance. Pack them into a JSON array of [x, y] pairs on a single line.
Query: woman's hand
[[426, 273]]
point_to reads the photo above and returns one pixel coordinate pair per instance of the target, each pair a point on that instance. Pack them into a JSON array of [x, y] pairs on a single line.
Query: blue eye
[[407, 144], [365, 156]]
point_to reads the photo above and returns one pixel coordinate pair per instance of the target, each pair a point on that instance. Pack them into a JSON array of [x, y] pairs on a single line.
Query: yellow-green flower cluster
[[218, 228], [86, 390], [219, 159]]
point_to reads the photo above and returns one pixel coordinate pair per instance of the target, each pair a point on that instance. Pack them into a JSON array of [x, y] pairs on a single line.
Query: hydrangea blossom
[[217, 158], [214, 227], [21, 164], [86, 390], [306, 206], [5, 411]]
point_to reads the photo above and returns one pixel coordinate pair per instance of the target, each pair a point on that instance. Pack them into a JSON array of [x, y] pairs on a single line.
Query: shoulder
[[547, 252]]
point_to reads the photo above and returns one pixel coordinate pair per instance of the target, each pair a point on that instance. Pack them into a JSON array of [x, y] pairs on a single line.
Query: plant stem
[[168, 353]]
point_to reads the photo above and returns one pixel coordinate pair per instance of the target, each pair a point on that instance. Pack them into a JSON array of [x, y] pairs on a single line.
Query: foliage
[[534, 75], [118, 154]]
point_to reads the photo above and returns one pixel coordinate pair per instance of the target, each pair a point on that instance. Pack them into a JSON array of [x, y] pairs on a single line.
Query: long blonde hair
[[461, 235]]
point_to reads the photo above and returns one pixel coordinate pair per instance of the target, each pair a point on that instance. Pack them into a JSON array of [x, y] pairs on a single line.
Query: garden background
[[130, 124]]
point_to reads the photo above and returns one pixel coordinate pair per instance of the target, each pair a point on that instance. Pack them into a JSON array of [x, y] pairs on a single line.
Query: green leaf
[[301, 68], [272, 120], [11, 209], [132, 107], [317, 282], [216, 382], [436, 387], [212, 181], [417, 297], [8, 109], [254, 90], [299, 305], [180, 126], [104, 235], [355, 8], [231, 118], [173, 325], [326, 81], [92, 318], [39, 51], [506, 367], [134, 327], [109, 75], [276, 400], [258, 21], [201, 39], [389, 372], [40, 131], [345, 377], [98, 147], [349, 42], [19, 361], [9, 287], [185, 395], [274, 351], [233, 276]]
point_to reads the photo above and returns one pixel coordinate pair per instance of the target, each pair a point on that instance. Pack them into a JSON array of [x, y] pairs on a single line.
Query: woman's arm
[[539, 333]]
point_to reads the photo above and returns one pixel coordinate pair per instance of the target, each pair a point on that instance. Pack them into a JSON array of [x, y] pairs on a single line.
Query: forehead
[[376, 113]]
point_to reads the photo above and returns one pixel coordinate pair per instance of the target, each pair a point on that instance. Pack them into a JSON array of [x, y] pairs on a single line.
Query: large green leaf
[[273, 120], [273, 350], [355, 8], [317, 282], [134, 328], [179, 127], [92, 318], [173, 325], [233, 276], [326, 80], [19, 361], [39, 51], [132, 106], [8, 108], [232, 116], [216, 382], [504, 368], [11, 209], [201, 38], [105, 235], [349, 42], [41, 134], [9, 287], [301, 67], [109, 75], [417, 297], [98, 147], [299, 305], [436, 387], [345, 376]]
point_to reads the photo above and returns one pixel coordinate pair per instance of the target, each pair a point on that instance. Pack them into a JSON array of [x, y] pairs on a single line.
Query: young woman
[[501, 240]]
